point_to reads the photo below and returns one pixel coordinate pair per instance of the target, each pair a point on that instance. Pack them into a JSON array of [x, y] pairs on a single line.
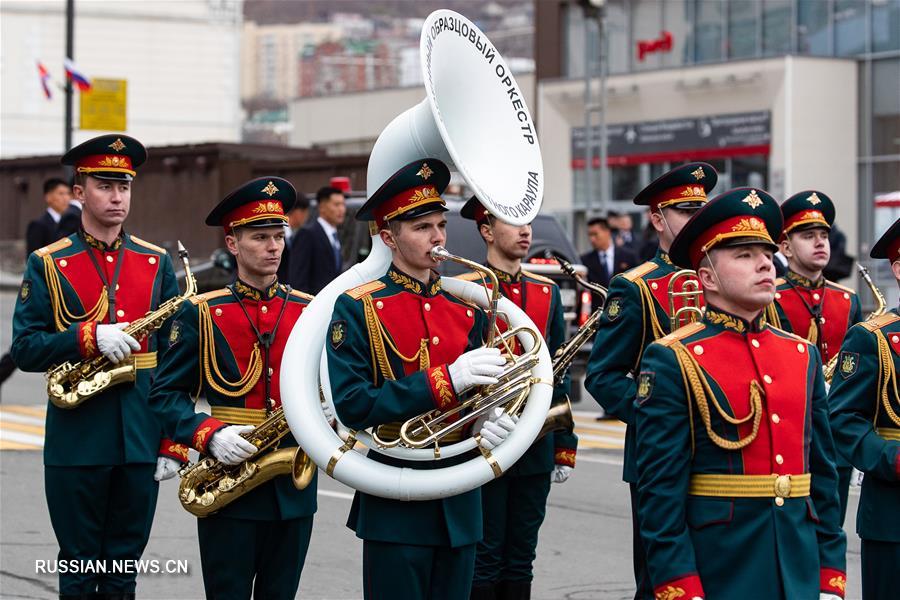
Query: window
[[849, 27], [813, 32], [708, 41], [885, 26], [742, 28], [777, 18], [647, 24], [886, 107], [750, 171]]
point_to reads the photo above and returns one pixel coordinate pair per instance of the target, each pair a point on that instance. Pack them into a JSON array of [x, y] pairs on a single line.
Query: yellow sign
[[104, 108]]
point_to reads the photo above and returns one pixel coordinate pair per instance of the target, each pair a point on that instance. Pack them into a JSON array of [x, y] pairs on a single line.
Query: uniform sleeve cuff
[[174, 450], [564, 456], [687, 586], [87, 339], [442, 393], [204, 433], [832, 581]]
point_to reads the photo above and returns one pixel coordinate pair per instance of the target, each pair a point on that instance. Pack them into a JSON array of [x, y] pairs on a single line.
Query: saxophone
[[70, 384], [880, 306], [209, 485]]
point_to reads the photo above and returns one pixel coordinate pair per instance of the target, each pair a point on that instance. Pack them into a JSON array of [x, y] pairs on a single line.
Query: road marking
[[22, 427], [34, 411], [331, 494]]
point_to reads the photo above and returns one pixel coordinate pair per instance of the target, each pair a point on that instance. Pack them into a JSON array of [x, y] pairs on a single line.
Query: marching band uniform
[[864, 408], [636, 313], [228, 344], [514, 505], [100, 456], [390, 345], [821, 311], [736, 479]]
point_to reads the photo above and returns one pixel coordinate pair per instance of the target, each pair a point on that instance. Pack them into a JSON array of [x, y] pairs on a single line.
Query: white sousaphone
[[474, 119]]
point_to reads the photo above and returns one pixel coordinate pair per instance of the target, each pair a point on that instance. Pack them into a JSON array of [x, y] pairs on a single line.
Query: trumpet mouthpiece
[[439, 253]]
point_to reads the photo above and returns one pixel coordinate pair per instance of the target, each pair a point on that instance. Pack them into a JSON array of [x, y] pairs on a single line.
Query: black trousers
[[241, 557], [880, 561], [100, 515], [643, 585], [395, 571]]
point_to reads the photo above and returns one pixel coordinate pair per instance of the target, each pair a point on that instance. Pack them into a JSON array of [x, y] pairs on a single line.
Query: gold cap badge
[[270, 189], [425, 172], [753, 200], [698, 173], [117, 145]]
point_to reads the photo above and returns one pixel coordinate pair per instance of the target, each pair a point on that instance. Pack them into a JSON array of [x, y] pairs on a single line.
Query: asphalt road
[[584, 550]]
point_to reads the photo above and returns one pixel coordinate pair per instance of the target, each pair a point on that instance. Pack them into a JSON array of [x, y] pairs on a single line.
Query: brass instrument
[[690, 293], [70, 384], [209, 485], [510, 392], [880, 306]]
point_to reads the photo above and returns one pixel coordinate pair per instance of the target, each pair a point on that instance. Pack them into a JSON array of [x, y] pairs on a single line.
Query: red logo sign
[[661, 44]]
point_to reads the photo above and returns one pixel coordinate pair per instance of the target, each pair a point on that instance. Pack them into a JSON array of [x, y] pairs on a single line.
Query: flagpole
[[70, 44]]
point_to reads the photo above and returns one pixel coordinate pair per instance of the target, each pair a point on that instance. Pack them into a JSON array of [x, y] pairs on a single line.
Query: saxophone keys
[[207, 499]]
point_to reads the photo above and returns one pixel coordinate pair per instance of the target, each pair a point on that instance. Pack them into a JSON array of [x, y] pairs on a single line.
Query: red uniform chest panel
[[894, 340], [835, 309], [136, 278], [410, 318], [780, 367], [659, 289], [536, 297], [229, 319]]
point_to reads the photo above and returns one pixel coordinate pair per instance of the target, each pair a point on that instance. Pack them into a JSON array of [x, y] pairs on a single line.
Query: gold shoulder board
[[365, 289], [304, 295], [780, 281], [538, 277], [840, 287], [147, 244], [791, 335], [207, 296], [639, 271], [681, 333], [55, 246], [880, 321]]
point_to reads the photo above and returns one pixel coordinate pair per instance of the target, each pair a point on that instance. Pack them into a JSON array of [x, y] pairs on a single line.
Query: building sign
[[661, 44], [677, 140], [104, 107]]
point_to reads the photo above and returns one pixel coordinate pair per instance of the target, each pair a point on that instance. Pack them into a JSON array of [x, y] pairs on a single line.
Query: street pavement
[[584, 550]]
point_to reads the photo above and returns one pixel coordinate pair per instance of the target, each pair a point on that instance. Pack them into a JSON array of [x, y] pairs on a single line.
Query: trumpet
[[209, 485], [510, 391], [690, 293], [880, 306], [70, 384]]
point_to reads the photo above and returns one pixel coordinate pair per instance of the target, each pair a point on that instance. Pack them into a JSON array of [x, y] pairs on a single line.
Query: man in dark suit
[[70, 221], [296, 218], [315, 257], [606, 259], [42, 231]]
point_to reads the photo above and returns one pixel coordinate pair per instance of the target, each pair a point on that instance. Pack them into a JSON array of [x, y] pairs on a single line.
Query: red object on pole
[[661, 44]]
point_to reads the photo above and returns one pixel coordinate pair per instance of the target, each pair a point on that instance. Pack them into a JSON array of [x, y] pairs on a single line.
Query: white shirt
[[54, 215], [330, 232], [608, 259]]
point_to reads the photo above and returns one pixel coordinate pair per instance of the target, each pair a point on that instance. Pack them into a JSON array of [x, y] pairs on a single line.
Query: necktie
[[336, 245], [604, 264]]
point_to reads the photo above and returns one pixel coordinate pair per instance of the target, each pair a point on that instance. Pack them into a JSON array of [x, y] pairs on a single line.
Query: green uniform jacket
[[707, 537], [60, 304], [195, 363], [864, 412], [539, 297], [635, 314], [372, 326]]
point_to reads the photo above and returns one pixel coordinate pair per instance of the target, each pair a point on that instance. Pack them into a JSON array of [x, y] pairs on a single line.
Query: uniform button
[[379, 304], [218, 312], [777, 296], [654, 285], [775, 418], [63, 263], [120, 313], [427, 306], [816, 296], [271, 371], [801, 348], [846, 296], [109, 258], [469, 313], [779, 501], [117, 287], [546, 290], [515, 290], [767, 379], [698, 349], [435, 341], [754, 343], [779, 459], [152, 260], [895, 339], [264, 309]]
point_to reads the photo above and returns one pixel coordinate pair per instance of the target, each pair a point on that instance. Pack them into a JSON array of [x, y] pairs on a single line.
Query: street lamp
[[595, 9]]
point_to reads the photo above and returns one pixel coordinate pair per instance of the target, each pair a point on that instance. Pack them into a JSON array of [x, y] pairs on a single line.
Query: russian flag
[[44, 74], [76, 77]]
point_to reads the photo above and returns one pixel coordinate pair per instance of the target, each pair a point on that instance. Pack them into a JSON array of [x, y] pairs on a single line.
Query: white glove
[[824, 596], [166, 468], [476, 367], [560, 473], [856, 478], [228, 446], [497, 428], [329, 414], [115, 344]]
